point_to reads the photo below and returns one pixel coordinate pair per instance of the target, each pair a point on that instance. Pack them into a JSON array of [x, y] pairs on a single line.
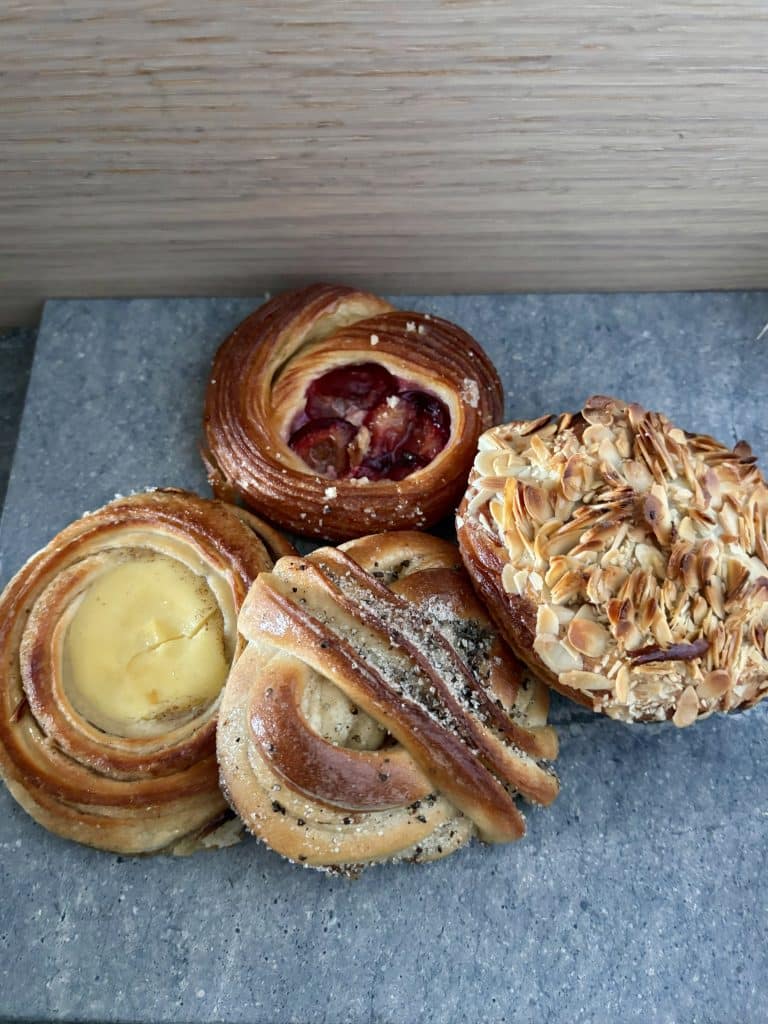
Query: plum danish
[[374, 713], [115, 642], [335, 415], [624, 559]]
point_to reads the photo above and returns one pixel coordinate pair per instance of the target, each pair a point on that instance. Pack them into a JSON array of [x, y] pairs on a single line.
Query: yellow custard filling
[[146, 644]]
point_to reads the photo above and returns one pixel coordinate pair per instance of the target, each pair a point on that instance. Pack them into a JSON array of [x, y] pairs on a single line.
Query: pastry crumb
[[470, 392]]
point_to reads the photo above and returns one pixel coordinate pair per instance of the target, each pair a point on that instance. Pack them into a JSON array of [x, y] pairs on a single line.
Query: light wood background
[[212, 146]]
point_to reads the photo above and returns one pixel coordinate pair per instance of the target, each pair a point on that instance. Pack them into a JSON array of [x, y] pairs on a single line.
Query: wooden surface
[[222, 148]]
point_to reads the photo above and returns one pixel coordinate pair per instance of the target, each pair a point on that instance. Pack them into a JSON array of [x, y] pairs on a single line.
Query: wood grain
[[157, 148]]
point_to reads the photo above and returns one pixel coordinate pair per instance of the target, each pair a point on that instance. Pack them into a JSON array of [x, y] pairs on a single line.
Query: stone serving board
[[637, 897]]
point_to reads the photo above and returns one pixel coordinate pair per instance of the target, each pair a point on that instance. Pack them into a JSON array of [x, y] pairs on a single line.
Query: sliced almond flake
[[621, 687], [556, 655], [580, 680], [536, 581], [513, 542], [496, 508], [479, 500], [668, 527], [521, 580], [564, 615], [485, 462], [506, 463], [508, 574], [587, 637], [715, 684], [687, 710], [547, 621]]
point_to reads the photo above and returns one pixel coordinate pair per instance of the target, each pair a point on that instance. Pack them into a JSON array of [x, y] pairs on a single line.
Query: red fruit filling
[[323, 444], [348, 390], [402, 430], [407, 432]]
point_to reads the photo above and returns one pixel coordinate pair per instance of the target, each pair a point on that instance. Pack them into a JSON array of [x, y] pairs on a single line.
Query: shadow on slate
[[636, 897]]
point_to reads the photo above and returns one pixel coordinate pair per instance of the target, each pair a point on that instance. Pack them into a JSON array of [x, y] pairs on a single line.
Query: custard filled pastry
[[374, 714], [625, 560], [115, 642], [336, 415]]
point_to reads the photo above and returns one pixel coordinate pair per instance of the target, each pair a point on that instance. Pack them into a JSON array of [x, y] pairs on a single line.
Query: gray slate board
[[638, 896]]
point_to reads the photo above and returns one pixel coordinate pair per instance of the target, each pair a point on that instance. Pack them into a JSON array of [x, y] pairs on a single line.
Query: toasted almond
[[715, 684], [687, 710], [572, 482], [556, 655], [537, 503], [663, 531], [508, 582], [513, 542], [547, 621], [651, 559], [660, 628], [594, 434], [485, 462], [567, 587], [713, 591], [589, 638], [580, 680], [496, 508], [621, 687]]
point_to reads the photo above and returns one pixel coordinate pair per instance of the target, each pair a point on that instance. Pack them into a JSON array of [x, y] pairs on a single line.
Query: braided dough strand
[[374, 714]]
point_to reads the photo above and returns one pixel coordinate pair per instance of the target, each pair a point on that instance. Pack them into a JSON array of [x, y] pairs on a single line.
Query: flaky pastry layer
[[143, 789], [258, 385]]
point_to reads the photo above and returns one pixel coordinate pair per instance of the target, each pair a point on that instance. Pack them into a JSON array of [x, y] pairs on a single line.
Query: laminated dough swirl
[[334, 414], [115, 642]]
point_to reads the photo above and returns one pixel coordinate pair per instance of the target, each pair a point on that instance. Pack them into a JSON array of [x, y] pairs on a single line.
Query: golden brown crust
[[131, 795], [258, 383], [513, 615], [374, 715], [624, 560]]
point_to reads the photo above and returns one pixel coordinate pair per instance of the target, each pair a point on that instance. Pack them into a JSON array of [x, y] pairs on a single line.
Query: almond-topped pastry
[[115, 643], [624, 559], [375, 715], [335, 415]]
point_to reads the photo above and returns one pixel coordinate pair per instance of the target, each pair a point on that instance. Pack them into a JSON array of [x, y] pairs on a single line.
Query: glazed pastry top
[[336, 415]]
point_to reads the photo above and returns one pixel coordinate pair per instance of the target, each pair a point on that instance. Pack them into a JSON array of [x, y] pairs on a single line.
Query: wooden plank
[[157, 148]]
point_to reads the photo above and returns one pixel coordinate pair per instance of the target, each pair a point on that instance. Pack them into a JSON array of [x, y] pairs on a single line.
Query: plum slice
[[407, 431], [324, 445], [347, 390], [431, 427]]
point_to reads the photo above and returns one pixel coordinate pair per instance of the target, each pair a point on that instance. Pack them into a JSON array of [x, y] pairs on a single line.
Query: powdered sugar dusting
[[470, 392]]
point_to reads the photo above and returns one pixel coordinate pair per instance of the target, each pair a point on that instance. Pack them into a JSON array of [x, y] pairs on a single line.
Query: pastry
[[115, 641], [335, 415], [624, 559], [374, 714]]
